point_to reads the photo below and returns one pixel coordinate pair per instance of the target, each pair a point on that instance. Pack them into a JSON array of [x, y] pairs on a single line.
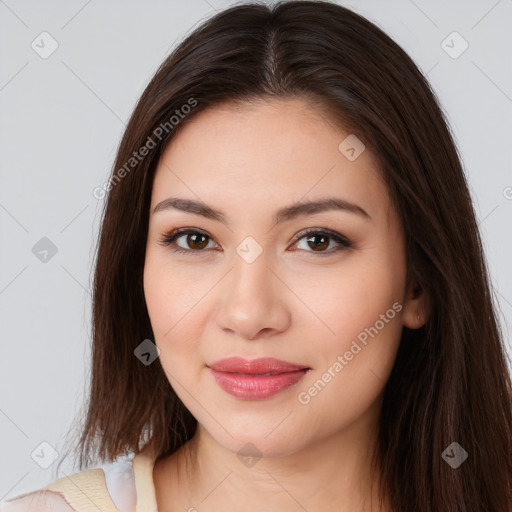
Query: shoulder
[[36, 501], [110, 487]]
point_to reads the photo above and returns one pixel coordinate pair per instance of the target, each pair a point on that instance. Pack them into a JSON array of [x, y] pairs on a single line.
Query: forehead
[[276, 151]]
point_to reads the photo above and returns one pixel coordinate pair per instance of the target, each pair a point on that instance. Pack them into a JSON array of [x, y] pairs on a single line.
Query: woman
[[291, 307]]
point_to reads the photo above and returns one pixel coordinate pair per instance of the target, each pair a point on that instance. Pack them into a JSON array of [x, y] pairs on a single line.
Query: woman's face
[[248, 287]]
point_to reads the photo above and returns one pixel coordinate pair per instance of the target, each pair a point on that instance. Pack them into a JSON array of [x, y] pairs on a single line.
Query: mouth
[[257, 379], [261, 366]]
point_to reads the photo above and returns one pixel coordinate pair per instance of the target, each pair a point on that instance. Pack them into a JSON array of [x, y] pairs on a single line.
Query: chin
[[257, 443]]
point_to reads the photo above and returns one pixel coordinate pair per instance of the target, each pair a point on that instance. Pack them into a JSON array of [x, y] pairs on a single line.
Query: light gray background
[[62, 119]]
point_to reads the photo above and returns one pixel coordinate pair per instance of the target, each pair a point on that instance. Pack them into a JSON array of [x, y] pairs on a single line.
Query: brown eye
[[194, 241], [318, 241]]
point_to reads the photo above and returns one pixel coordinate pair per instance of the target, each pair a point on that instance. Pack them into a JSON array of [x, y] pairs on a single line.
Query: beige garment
[[86, 491]]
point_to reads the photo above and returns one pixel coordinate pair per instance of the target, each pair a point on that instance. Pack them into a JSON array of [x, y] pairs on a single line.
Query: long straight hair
[[450, 382]]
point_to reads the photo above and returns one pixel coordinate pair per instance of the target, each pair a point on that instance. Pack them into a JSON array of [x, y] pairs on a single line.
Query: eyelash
[[169, 239]]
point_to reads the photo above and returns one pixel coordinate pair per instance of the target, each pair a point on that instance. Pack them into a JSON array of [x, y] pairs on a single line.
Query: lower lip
[[255, 387]]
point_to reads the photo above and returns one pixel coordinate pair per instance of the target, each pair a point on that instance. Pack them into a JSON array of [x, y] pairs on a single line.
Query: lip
[[256, 379]]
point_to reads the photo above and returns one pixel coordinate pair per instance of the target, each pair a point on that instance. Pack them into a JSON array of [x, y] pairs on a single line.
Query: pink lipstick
[[256, 379]]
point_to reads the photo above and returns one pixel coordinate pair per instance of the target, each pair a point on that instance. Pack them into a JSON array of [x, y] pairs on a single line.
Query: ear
[[416, 308]]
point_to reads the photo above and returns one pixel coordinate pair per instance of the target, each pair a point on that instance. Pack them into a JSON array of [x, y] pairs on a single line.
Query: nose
[[253, 300]]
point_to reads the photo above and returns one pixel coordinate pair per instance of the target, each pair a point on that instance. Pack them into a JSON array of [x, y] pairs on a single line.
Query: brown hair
[[450, 381]]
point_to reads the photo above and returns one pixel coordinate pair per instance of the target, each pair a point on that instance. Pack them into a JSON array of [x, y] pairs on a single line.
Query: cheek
[[352, 376], [344, 301], [158, 292], [169, 292], [174, 309], [352, 368], [359, 332], [175, 334]]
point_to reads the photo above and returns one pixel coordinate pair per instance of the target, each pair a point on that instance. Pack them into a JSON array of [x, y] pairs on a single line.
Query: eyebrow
[[284, 214]]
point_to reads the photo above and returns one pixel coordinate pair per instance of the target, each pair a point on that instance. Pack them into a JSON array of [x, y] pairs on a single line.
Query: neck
[[333, 474]]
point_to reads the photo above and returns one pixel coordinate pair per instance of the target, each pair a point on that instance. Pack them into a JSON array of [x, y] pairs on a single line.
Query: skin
[[293, 303]]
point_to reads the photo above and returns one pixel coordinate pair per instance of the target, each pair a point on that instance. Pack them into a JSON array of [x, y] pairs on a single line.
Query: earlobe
[[416, 308], [415, 324]]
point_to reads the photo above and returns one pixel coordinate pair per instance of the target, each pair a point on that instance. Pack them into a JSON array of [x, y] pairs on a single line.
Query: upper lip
[[255, 366]]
